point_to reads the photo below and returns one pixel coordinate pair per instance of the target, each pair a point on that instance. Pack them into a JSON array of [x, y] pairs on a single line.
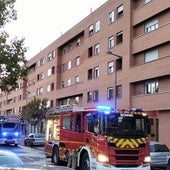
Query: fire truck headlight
[[4, 134], [16, 134], [147, 159], [102, 158]]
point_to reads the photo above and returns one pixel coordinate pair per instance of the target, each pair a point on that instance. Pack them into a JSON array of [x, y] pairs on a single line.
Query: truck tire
[[55, 156], [85, 162]]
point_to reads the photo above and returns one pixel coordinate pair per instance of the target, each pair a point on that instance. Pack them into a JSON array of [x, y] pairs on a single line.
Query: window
[[119, 37], [110, 66], [77, 79], [77, 99], [50, 56], [49, 103], [62, 84], [110, 93], [151, 55], [78, 42], [95, 96], [67, 121], [90, 52], [151, 87], [50, 71], [50, 87], [69, 82], [96, 72], [40, 91], [91, 30], [77, 61], [120, 11], [146, 1], [111, 17], [97, 49], [69, 47], [40, 76], [97, 26], [89, 74], [41, 62], [69, 65], [151, 25], [111, 42], [89, 96]]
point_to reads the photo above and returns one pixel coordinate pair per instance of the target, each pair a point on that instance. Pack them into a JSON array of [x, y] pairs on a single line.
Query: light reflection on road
[[33, 156]]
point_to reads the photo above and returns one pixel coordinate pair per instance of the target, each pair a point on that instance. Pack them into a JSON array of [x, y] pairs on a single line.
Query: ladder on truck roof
[[66, 108]]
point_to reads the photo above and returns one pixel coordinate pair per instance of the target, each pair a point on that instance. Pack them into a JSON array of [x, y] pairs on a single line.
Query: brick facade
[[75, 68]]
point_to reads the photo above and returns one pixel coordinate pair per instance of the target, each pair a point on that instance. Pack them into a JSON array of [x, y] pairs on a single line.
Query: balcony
[[151, 39], [153, 69], [70, 90], [158, 101], [144, 12]]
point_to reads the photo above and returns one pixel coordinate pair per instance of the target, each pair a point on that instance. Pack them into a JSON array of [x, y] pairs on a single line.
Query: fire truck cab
[[101, 138]]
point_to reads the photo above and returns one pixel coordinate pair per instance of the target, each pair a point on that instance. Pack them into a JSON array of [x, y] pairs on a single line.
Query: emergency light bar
[[105, 108]]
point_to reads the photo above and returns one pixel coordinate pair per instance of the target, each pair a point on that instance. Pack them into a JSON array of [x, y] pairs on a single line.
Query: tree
[[35, 109], [12, 59]]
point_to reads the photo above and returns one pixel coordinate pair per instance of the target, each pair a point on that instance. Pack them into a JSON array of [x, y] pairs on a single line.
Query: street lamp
[[115, 75]]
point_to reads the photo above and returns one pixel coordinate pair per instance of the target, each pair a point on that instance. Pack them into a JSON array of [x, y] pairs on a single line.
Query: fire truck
[[102, 138], [10, 130]]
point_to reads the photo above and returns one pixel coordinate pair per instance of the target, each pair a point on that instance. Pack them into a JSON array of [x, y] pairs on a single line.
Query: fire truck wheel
[[55, 156], [85, 163]]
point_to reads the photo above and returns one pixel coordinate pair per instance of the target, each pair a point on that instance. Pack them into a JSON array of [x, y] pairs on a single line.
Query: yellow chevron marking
[[127, 143]]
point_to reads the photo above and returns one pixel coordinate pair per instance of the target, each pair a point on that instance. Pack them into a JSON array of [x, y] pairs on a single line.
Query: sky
[[41, 22]]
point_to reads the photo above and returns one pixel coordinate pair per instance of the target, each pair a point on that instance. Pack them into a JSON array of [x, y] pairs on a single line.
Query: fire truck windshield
[[130, 125], [9, 125]]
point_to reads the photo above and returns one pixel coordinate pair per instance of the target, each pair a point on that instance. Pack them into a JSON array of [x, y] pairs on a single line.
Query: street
[[33, 156]]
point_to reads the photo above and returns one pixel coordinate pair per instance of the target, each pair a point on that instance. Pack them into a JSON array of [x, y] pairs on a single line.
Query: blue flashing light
[[16, 134], [4, 134], [105, 109]]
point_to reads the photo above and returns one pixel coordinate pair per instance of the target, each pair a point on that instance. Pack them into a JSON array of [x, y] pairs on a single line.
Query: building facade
[[76, 68]]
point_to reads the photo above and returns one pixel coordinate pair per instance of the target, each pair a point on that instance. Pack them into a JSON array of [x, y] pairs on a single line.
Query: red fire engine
[[101, 138]]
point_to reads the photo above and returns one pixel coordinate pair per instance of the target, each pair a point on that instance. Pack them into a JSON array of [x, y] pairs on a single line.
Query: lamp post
[[115, 76]]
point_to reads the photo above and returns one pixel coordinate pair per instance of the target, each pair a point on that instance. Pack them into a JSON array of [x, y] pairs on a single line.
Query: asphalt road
[[33, 157]]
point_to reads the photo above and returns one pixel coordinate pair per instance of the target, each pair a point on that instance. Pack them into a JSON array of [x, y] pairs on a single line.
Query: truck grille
[[124, 157]]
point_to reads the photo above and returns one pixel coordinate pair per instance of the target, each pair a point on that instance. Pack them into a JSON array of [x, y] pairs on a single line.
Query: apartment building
[[76, 68]]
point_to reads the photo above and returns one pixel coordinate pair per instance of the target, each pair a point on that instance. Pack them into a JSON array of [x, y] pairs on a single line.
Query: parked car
[[160, 156], [35, 139], [9, 159]]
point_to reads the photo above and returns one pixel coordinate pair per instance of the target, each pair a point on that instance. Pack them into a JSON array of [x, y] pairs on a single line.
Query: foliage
[[35, 109], [12, 59]]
